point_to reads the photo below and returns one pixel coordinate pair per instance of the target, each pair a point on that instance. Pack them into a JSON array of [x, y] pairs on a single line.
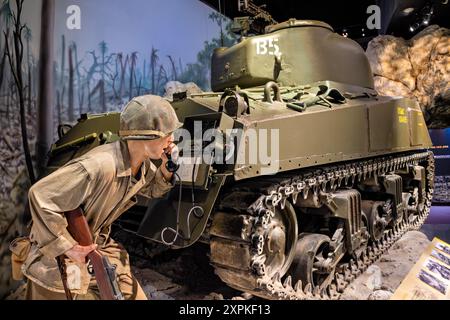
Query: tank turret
[[295, 52]]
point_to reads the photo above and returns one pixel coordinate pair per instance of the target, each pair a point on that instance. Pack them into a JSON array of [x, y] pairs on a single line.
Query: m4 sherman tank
[[298, 174]]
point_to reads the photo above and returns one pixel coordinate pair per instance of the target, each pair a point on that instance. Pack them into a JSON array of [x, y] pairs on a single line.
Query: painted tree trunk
[[144, 74], [45, 104], [80, 87], [102, 87], [3, 62], [58, 105], [89, 95], [9, 94], [61, 81], [16, 68], [133, 61], [139, 86], [153, 61], [29, 77], [103, 96], [70, 103], [123, 68], [29, 91], [113, 80], [174, 69]]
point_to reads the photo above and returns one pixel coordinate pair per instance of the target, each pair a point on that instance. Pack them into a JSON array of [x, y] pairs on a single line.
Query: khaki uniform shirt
[[101, 183]]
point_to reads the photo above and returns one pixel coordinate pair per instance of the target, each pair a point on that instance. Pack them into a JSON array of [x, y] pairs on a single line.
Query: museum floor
[[438, 223]]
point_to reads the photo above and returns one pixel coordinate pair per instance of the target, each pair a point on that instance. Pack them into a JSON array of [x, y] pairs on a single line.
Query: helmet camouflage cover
[[148, 117]]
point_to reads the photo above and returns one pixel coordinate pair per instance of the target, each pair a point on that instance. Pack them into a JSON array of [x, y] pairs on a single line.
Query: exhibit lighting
[[407, 11], [427, 16], [423, 18], [414, 27]]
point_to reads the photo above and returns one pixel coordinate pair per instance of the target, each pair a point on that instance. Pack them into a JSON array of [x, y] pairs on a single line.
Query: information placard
[[429, 279]]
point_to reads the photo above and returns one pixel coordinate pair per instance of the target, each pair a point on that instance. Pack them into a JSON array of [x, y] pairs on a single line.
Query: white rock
[[153, 294], [375, 279], [417, 69], [380, 295]]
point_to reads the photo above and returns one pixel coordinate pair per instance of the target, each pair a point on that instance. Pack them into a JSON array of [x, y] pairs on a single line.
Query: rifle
[[104, 272]]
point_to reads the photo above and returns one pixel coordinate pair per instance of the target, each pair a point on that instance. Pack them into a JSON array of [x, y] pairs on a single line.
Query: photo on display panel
[[437, 268], [441, 257], [443, 248], [432, 281]]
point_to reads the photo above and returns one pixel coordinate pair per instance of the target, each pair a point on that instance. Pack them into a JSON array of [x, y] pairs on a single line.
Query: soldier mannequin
[[139, 152], [104, 183]]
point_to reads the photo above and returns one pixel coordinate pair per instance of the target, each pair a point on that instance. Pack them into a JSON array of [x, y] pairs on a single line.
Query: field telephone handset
[[171, 165]]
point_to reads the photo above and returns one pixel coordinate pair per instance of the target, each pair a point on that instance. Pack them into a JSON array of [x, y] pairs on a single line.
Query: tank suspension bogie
[[378, 214], [414, 196]]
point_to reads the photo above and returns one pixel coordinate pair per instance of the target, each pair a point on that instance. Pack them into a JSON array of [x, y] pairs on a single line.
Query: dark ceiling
[[350, 16]]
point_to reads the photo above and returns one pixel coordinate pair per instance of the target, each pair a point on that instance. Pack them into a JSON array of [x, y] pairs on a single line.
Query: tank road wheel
[[376, 213], [310, 261], [244, 251]]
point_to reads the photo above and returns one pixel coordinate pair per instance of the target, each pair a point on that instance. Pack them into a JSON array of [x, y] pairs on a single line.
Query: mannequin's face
[[155, 148], [150, 149]]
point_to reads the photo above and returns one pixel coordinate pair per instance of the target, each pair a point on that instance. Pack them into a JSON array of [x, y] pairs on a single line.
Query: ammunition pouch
[[20, 248]]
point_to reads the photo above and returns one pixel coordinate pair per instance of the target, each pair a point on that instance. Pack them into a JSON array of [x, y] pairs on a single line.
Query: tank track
[[274, 192]]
